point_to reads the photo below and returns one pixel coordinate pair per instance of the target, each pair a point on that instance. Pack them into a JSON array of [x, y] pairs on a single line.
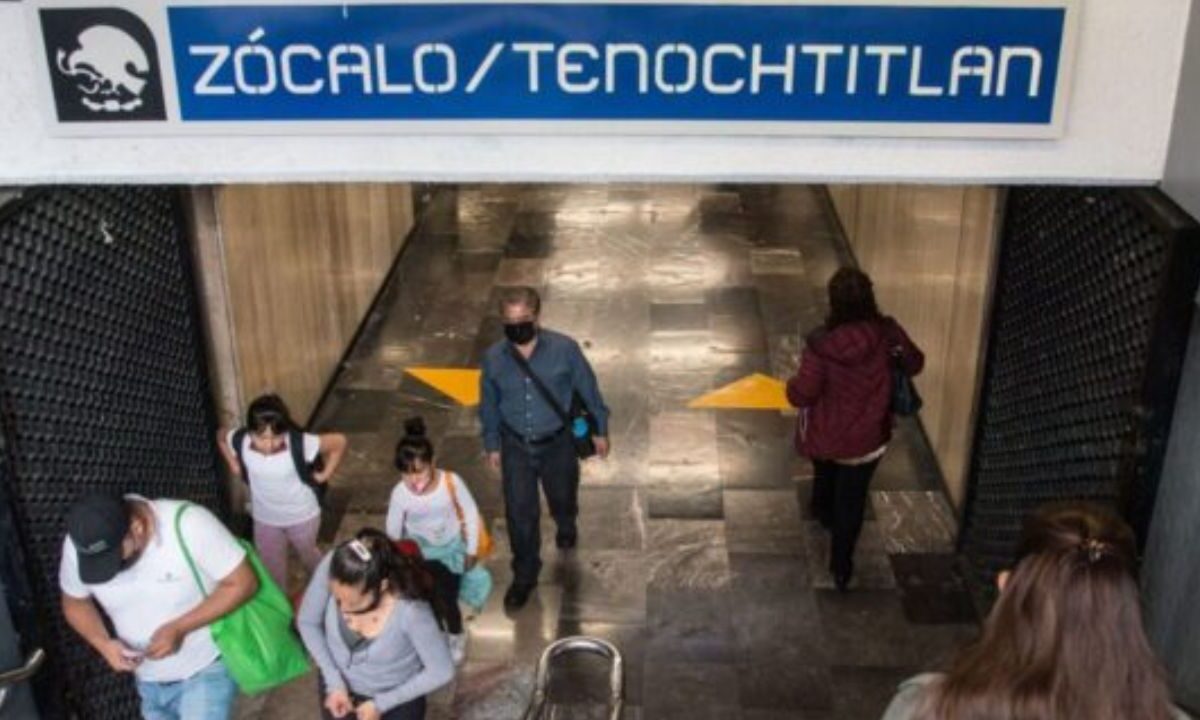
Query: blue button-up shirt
[[508, 397]]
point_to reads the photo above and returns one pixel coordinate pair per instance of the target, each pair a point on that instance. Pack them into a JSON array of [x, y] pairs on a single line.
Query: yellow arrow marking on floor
[[753, 392], [462, 384]]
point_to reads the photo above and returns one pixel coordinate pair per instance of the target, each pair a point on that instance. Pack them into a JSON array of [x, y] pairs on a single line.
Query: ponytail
[[414, 452], [370, 558]]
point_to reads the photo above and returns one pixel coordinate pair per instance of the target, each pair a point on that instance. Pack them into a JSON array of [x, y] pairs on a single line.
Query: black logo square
[[103, 65]]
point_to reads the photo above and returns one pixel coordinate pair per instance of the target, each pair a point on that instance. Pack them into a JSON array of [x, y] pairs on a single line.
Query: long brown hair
[[1065, 639], [851, 298]]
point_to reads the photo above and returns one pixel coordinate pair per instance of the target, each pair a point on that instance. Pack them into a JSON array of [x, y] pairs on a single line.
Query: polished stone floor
[[696, 557]]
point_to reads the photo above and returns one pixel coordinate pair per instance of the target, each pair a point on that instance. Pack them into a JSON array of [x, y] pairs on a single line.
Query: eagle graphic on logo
[[109, 67], [103, 65]]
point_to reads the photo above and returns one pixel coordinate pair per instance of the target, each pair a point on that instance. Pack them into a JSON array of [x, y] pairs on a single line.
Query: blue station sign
[[959, 68]]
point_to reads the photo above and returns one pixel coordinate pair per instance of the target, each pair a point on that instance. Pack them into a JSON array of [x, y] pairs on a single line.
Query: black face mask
[[521, 333]]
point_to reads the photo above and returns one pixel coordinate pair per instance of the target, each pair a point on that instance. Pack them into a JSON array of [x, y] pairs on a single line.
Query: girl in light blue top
[[434, 508]]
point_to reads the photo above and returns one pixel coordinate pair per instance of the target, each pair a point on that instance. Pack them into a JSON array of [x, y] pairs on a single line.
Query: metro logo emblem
[[103, 65]]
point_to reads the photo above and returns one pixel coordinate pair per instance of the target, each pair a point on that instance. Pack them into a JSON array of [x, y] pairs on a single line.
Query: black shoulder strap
[[296, 447], [239, 439], [537, 382]]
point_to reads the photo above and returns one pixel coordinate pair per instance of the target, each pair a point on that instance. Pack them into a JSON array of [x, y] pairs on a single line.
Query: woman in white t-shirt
[[285, 508], [435, 508]]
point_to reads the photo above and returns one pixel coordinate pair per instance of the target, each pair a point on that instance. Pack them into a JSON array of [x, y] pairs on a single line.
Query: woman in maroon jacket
[[844, 392]]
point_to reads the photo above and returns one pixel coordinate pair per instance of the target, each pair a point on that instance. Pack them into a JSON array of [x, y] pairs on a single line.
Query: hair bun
[[414, 427]]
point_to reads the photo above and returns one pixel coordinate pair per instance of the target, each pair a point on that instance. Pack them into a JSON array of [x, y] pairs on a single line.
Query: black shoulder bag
[[906, 401], [579, 422], [304, 469]]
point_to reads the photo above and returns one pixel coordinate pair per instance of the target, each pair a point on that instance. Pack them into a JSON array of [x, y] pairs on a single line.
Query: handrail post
[[568, 645]]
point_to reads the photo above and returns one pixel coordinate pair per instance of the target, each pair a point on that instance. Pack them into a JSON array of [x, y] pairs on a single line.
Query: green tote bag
[[257, 643]]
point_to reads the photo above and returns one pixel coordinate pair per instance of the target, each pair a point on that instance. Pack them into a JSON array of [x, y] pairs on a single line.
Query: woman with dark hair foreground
[[367, 621], [843, 390], [1065, 639]]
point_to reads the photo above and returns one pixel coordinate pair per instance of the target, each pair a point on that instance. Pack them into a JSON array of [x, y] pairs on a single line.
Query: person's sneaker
[[458, 647], [517, 595]]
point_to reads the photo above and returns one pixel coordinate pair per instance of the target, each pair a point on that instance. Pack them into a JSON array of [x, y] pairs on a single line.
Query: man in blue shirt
[[525, 437]]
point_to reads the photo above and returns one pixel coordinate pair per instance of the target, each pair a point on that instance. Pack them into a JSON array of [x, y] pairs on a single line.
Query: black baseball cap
[[97, 525]]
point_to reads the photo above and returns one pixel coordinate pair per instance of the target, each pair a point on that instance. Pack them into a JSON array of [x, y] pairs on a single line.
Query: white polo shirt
[[278, 497], [160, 587]]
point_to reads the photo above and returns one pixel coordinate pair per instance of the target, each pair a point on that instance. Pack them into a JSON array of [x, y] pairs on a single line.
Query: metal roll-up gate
[[102, 387]]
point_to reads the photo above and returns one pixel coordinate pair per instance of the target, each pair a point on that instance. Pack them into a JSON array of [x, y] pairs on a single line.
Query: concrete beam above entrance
[[1121, 99]]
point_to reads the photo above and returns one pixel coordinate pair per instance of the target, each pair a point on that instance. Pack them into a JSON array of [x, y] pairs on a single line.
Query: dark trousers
[[523, 465], [839, 501], [446, 584], [411, 710]]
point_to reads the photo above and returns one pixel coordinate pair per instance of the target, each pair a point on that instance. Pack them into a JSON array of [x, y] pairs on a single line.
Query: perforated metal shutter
[[103, 388], [1092, 304]]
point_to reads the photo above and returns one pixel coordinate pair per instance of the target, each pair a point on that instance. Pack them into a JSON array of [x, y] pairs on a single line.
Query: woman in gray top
[[367, 620], [1064, 640]]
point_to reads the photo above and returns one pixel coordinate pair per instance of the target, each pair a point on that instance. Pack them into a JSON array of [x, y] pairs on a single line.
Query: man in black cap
[[126, 554]]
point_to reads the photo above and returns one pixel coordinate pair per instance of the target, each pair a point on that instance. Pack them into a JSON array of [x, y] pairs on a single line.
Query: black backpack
[[306, 470]]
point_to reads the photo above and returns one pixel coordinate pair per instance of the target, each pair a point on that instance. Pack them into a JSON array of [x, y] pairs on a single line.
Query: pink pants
[[272, 543]]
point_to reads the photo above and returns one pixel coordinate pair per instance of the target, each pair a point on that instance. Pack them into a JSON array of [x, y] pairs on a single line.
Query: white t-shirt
[[432, 517], [278, 497], [160, 587]]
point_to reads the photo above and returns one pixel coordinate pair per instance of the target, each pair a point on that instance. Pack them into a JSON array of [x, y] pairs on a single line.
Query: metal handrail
[[616, 679], [21, 674]]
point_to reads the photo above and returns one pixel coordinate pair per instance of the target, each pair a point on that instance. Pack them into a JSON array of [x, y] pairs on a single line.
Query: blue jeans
[[207, 695], [522, 466]]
